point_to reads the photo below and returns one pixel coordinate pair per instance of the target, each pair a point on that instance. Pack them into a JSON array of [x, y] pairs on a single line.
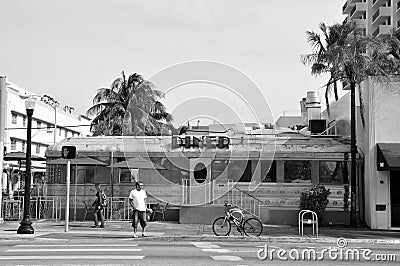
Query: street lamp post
[[26, 224]]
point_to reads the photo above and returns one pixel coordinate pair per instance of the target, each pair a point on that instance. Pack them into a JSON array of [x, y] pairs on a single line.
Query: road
[[131, 252]]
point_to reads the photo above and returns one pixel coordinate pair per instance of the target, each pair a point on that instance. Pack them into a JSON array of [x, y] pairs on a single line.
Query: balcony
[[382, 30], [361, 23], [358, 10], [347, 8], [381, 14], [379, 3]]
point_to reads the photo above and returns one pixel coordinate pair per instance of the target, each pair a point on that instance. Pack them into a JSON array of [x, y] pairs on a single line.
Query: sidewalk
[[47, 230]]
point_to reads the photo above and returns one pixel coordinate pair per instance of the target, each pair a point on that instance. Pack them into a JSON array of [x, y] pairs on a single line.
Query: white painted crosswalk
[[88, 251], [213, 248]]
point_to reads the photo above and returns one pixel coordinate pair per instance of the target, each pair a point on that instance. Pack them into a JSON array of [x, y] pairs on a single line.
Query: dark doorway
[[395, 198]]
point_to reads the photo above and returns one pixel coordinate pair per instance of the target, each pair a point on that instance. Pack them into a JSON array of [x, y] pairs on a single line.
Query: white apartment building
[[43, 121], [375, 16]]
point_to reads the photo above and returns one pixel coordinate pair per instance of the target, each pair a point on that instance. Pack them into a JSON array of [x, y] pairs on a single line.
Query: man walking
[[99, 205], [137, 199]]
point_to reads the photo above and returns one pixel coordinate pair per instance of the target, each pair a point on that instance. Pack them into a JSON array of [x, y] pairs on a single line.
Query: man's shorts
[[139, 216]]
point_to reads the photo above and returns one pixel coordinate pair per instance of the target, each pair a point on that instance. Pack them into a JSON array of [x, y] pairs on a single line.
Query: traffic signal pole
[[67, 200]]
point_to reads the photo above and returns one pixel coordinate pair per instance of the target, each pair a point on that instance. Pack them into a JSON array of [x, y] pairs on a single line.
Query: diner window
[[24, 121], [297, 172], [90, 171], [13, 144], [332, 172], [14, 118], [218, 168], [125, 176], [39, 124], [37, 148], [49, 127], [268, 171], [59, 132], [240, 170], [66, 133]]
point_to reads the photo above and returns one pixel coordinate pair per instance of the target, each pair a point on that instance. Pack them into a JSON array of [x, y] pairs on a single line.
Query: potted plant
[[315, 199]]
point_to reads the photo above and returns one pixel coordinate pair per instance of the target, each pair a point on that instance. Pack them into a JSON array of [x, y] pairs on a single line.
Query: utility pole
[[53, 103]]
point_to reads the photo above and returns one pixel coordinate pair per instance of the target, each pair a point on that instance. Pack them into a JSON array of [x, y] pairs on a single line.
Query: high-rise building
[[375, 16]]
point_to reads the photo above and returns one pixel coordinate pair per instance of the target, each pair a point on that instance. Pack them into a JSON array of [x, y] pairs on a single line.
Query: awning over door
[[388, 156]]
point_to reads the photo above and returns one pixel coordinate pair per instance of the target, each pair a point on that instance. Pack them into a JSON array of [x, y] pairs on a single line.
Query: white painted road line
[[73, 257], [217, 250], [79, 245], [204, 245], [227, 258], [74, 250]]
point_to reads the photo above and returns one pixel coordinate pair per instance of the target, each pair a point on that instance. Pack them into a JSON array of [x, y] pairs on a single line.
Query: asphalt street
[[132, 252]]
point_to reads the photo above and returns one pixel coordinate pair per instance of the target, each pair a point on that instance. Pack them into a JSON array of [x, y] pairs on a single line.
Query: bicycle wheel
[[252, 227], [221, 226]]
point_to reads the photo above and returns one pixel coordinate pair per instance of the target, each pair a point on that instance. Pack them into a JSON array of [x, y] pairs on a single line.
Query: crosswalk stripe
[[73, 250], [217, 250], [78, 245], [204, 245], [73, 257], [227, 258]]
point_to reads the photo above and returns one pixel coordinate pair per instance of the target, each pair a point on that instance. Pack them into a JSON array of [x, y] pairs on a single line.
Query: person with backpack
[[99, 204]]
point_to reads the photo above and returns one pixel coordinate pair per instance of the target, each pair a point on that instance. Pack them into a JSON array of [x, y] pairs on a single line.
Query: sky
[[69, 49]]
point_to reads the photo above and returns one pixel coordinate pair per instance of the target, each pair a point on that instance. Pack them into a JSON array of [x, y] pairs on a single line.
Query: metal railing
[[41, 207], [245, 201]]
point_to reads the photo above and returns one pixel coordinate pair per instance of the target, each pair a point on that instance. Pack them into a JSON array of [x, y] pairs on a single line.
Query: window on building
[[297, 172], [59, 132], [24, 121], [268, 171], [23, 146], [219, 169], [240, 170], [49, 127], [90, 171], [14, 118], [125, 176], [66, 133], [332, 172], [39, 124], [37, 148], [13, 144]]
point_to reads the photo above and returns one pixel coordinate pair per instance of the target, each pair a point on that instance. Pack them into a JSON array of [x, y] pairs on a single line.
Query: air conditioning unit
[[317, 126]]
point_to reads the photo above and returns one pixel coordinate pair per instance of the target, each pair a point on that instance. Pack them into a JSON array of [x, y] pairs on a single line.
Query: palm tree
[[129, 107], [349, 57]]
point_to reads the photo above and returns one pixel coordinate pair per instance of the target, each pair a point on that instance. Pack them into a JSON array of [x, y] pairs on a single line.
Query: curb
[[204, 238]]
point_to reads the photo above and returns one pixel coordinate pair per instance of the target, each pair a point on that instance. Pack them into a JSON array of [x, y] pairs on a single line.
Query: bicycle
[[250, 227]]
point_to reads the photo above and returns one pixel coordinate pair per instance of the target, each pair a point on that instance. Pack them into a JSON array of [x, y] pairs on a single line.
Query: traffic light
[[68, 152]]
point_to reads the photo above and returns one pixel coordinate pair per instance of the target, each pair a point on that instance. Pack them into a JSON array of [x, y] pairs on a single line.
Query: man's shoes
[[135, 235], [144, 235], [95, 226], [101, 226]]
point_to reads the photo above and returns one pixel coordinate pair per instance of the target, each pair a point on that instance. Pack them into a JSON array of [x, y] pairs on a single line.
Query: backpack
[[103, 199]]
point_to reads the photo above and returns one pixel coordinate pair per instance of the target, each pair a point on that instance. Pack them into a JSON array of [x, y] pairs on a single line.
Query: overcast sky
[[69, 49]]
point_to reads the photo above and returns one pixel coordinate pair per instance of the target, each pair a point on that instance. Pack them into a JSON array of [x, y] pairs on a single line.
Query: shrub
[[315, 199]]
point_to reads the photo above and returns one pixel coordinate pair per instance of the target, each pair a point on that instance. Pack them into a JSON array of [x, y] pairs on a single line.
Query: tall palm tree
[[349, 57], [129, 107]]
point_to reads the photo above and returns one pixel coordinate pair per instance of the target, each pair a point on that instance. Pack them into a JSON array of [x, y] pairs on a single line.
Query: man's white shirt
[[138, 199]]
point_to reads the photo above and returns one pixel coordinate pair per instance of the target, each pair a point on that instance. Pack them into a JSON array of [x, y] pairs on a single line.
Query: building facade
[[376, 17], [378, 140], [14, 132]]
